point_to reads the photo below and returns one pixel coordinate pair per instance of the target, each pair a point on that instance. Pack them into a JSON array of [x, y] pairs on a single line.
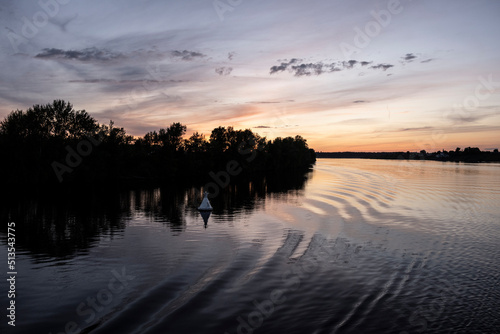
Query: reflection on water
[[63, 224], [205, 215], [357, 246]]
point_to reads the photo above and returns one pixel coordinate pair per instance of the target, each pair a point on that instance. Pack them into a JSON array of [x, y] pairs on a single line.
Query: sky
[[347, 75]]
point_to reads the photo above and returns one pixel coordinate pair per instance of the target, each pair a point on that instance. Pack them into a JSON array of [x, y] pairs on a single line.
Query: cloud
[[88, 54], [187, 55], [94, 81], [427, 60], [308, 69], [62, 22], [481, 113], [383, 130], [299, 68], [275, 127], [276, 69], [266, 102], [422, 128], [223, 70], [139, 81], [283, 66], [349, 64], [359, 101], [382, 66], [408, 58], [230, 55]]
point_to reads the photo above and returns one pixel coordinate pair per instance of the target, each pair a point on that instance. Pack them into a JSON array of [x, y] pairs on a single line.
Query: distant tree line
[[56, 144], [469, 154]]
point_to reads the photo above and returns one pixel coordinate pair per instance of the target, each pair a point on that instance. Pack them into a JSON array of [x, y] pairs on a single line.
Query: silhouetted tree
[[195, 144], [35, 138], [290, 154], [472, 150], [219, 141], [171, 138], [114, 136], [57, 120], [54, 142]]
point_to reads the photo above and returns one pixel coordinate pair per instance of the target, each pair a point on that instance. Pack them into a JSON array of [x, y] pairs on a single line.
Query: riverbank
[[467, 155]]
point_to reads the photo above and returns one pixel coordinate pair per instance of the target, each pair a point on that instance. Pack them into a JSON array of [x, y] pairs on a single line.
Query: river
[[357, 246]]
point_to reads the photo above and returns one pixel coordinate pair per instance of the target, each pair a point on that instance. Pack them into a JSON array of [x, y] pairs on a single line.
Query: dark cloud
[[230, 55], [359, 101], [422, 128], [187, 55], [262, 127], [88, 54], [283, 66], [276, 69], [307, 69], [382, 66], [223, 70], [427, 60], [299, 69], [349, 64], [409, 57]]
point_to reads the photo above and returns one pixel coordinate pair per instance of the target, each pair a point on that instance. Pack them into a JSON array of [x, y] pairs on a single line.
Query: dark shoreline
[[468, 155]]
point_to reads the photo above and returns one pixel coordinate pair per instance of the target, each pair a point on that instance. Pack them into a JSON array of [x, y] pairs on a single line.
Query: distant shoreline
[[468, 155]]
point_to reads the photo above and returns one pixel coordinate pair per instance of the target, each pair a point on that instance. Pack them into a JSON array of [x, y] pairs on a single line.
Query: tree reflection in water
[[62, 225]]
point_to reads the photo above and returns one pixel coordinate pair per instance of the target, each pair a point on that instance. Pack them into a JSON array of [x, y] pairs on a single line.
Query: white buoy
[[205, 204]]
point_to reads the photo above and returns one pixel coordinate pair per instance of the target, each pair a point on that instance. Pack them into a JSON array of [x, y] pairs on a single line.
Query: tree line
[[468, 154], [56, 144]]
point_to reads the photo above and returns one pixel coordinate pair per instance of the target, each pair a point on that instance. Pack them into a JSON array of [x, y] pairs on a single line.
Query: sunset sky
[[357, 75]]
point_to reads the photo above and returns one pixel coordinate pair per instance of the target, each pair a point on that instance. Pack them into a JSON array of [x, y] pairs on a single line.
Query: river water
[[357, 246]]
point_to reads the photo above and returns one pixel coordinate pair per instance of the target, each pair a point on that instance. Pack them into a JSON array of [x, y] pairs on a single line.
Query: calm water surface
[[360, 246]]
